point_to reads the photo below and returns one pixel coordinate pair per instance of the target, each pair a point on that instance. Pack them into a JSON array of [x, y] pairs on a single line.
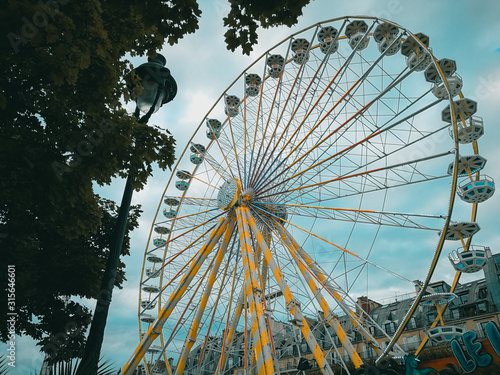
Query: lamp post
[[159, 87]]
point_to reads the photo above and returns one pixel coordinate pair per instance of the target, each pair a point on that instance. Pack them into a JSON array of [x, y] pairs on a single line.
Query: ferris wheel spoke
[[328, 285], [233, 142], [197, 201], [331, 319], [264, 133], [257, 122], [342, 249], [248, 224], [374, 182], [156, 328], [214, 270], [336, 78], [229, 330], [386, 127], [186, 309], [392, 169], [219, 169], [398, 219], [184, 217], [187, 230], [265, 160], [320, 121]]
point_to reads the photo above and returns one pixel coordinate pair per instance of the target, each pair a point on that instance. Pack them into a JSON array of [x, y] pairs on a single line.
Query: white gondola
[[464, 109], [417, 57], [470, 133], [455, 85], [252, 84], [232, 105], [171, 201], [147, 318], [169, 213], [150, 289], [214, 127], [196, 159], [468, 165], [152, 273], [476, 191], [301, 49], [275, 64], [183, 175], [418, 61], [328, 40], [387, 38], [154, 259], [356, 35], [213, 134], [446, 66], [469, 261], [440, 334], [197, 148], [159, 242], [155, 349], [147, 304], [461, 230], [182, 185], [161, 229], [281, 212], [434, 299]]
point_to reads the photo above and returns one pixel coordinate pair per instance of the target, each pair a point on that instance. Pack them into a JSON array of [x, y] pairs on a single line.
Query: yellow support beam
[[260, 336], [293, 305], [327, 312], [193, 333], [330, 288], [155, 329]]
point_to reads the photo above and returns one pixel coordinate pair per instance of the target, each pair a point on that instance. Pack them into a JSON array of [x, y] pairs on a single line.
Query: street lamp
[[159, 87]]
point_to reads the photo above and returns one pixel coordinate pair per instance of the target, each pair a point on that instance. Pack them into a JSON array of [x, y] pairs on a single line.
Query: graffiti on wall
[[468, 352], [475, 349]]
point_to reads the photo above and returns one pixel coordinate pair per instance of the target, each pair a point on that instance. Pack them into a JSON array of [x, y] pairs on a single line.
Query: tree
[[244, 14], [49, 269], [63, 128]]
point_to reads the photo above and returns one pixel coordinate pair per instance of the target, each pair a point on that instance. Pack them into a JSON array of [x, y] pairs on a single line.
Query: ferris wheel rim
[[454, 177]]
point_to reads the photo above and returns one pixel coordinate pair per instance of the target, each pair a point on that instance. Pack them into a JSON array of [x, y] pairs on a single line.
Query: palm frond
[[105, 367], [4, 365]]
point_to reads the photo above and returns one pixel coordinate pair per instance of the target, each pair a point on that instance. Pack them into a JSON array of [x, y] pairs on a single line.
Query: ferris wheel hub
[[229, 193]]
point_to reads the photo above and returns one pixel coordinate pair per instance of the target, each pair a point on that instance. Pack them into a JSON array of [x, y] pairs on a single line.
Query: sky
[[464, 31]]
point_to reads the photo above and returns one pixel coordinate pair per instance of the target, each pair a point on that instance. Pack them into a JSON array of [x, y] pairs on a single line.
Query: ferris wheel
[[321, 183]]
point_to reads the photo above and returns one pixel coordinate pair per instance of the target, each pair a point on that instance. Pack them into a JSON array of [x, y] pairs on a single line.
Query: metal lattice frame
[[333, 157]]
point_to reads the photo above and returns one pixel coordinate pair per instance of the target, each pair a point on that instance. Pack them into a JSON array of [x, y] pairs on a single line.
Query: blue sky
[[461, 30]]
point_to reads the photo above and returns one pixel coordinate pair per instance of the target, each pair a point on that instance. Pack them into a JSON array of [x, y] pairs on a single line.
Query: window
[[410, 343], [482, 307], [481, 329], [455, 313], [497, 263], [464, 298], [483, 293], [412, 323], [439, 288], [368, 352], [390, 328], [431, 316]]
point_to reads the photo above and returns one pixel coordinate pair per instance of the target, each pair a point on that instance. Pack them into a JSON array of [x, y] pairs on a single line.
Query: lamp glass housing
[[149, 92]]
